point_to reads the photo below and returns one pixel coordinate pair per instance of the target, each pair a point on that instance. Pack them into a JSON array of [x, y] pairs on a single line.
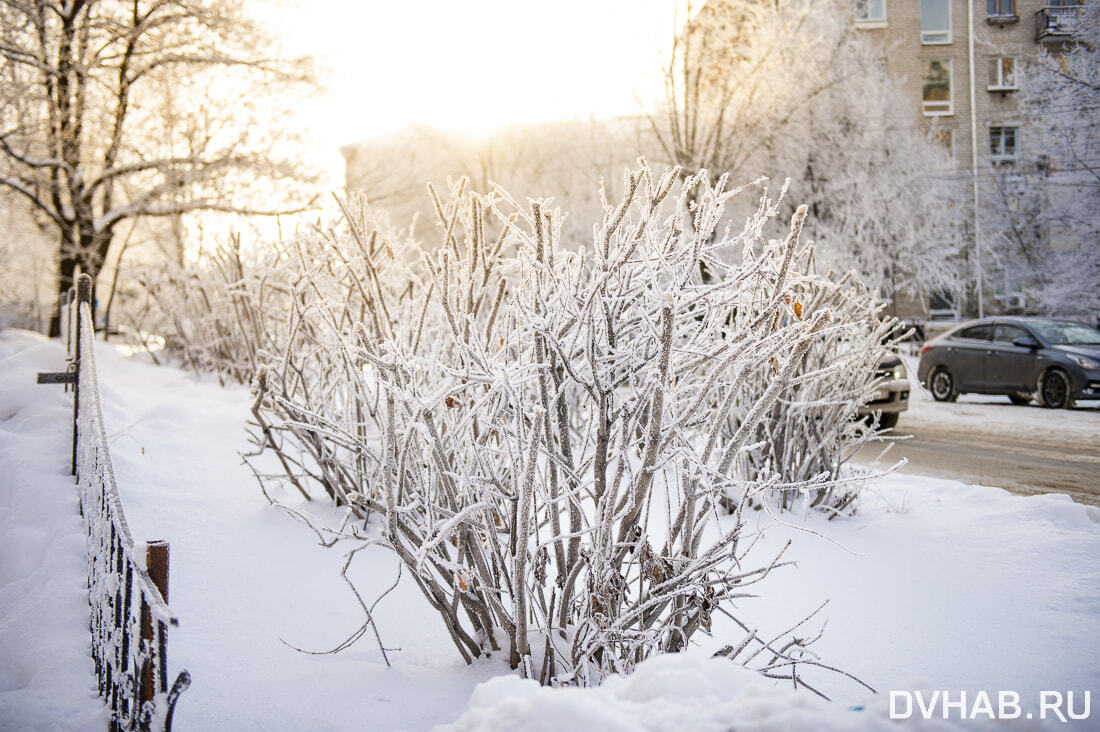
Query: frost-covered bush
[[812, 429], [546, 436], [219, 313]]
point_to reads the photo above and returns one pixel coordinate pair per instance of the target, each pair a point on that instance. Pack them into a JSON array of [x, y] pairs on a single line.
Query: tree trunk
[[66, 275], [89, 258]]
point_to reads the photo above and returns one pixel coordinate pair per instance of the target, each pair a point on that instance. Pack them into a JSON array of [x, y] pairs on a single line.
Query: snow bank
[[678, 692], [46, 676], [939, 585], [674, 692]]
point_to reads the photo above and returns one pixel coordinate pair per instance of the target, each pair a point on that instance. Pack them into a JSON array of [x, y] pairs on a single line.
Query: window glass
[[870, 9], [1002, 144], [998, 278], [941, 300], [1074, 334], [935, 21], [978, 333], [936, 86], [1002, 72], [1008, 333], [1000, 7]]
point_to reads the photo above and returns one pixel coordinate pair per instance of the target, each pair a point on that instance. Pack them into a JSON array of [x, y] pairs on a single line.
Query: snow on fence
[[127, 582]]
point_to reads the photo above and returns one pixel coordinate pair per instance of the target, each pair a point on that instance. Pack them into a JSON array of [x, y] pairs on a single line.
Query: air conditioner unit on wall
[[1016, 301]]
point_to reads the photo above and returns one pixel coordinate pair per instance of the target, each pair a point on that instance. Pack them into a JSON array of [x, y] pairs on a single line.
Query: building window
[[1002, 73], [1003, 145], [935, 21], [942, 304], [936, 86], [1001, 9], [1006, 283], [870, 11]]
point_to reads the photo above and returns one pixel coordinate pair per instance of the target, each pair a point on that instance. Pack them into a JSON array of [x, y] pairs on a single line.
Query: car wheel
[[1019, 399], [1055, 390], [942, 385], [887, 421]]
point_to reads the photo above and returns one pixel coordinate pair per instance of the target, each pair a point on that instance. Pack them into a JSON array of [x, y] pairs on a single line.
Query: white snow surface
[[933, 585]]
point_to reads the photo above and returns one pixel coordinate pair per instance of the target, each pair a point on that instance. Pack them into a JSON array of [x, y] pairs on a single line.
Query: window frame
[[950, 110], [932, 37], [999, 84], [999, 278], [998, 156], [999, 13], [870, 21]]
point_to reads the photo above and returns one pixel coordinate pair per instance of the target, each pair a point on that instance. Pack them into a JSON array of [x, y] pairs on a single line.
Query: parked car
[[1056, 361], [891, 396]]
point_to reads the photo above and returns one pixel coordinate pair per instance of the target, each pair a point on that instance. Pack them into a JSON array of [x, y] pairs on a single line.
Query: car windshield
[[1068, 334]]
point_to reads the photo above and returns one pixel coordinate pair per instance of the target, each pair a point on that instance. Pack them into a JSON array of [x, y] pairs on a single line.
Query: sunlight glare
[[478, 65]]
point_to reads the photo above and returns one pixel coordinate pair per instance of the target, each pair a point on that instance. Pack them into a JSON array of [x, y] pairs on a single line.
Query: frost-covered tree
[[115, 110], [735, 80], [763, 88], [1047, 212]]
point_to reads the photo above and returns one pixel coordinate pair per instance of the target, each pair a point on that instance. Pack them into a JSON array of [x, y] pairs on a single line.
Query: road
[[987, 441]]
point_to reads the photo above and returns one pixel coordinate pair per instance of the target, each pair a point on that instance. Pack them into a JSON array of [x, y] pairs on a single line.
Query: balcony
[[1056, 24]]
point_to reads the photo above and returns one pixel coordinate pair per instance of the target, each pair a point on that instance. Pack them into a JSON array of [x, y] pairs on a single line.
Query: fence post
[[156, 673], [83, 295]]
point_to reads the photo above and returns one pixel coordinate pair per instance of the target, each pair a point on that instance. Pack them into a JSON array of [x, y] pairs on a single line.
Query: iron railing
[[127, 583]]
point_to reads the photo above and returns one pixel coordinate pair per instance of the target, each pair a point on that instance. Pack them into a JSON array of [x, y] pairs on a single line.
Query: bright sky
[[474, 65]]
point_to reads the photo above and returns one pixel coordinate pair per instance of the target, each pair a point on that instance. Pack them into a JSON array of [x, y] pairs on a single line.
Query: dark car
[[1057, 361]]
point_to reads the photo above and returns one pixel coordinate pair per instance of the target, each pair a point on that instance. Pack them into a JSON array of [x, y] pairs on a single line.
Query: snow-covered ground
[[933, 585]]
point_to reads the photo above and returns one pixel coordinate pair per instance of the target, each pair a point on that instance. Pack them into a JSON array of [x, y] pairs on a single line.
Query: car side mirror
[[1026, 342]]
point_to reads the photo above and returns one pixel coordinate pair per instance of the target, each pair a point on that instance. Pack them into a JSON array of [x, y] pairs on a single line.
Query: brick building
[[959, 61]]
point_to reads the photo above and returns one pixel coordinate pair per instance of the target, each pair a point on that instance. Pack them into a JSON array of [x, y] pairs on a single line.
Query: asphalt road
[[987, 441]]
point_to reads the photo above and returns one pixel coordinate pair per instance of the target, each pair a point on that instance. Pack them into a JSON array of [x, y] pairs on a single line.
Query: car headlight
[[1084, 361], [899, 371]]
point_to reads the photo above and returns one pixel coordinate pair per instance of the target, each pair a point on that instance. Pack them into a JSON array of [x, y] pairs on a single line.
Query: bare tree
[[116, 110], [758, 88], [735, 78]]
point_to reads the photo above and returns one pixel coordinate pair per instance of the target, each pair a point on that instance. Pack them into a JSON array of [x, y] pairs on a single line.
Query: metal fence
[[127, 583]]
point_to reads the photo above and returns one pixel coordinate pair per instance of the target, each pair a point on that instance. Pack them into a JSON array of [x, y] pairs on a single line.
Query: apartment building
[[959, 61]]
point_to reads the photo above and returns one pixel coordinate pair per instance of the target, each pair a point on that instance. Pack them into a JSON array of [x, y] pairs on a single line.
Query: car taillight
[[925, 349]]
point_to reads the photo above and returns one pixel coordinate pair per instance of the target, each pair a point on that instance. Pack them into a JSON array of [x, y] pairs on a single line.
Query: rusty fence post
[[156, 672]]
